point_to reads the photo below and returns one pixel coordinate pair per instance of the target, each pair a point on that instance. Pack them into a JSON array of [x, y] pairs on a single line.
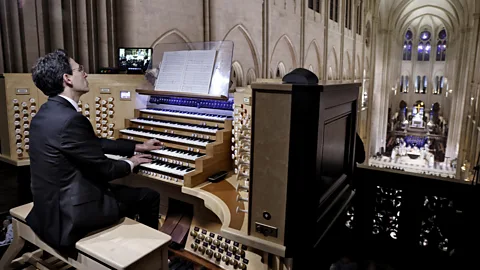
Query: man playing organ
[[70, 173]]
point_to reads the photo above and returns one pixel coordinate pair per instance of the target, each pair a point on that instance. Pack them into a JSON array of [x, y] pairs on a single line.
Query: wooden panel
[[115, 83], [270, 159], [14, 81], [227, 193]]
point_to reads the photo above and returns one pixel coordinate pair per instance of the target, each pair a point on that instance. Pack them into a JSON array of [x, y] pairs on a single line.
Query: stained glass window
[[441, 45], [407, 46], [424, 47]]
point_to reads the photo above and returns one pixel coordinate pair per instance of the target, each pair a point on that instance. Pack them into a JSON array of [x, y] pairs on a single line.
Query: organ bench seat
[[126, 245]]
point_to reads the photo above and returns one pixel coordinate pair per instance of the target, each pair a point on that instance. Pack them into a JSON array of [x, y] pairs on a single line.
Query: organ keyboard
[[195, 135]]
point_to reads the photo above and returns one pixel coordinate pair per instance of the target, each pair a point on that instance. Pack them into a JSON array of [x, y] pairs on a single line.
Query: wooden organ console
[[288, 150]]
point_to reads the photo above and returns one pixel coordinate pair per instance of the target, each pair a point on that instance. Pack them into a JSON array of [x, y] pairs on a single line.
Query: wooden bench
[[127, 245]]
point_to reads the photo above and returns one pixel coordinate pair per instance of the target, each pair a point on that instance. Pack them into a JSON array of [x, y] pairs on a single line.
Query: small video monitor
[[134, 59]]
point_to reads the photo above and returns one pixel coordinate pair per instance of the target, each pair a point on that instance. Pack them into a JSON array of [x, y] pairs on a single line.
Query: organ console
[[288, 150]]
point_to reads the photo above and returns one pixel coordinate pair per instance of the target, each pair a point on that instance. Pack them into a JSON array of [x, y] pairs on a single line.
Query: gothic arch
[[170, 36], [237, 74], [333, 64], [348, 70], [290, 46], [314, 43], [173, 32], [250, 42], [281, 70], [251, 77]]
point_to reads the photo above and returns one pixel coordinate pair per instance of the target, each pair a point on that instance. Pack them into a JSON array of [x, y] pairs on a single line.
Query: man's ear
[[67, 80]]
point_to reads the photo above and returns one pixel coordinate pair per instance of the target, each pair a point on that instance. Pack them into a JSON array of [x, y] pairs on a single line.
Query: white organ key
[[186, 114], [164, 137], [175, 125], [166, 167], [176, 153]]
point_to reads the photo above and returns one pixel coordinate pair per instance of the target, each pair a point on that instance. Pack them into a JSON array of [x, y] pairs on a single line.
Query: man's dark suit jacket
[[70, 175]]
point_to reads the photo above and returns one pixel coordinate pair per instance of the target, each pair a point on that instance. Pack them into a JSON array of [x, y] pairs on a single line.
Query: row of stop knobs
[[218, 257], [217, 243], [222, 246], [241, 151]]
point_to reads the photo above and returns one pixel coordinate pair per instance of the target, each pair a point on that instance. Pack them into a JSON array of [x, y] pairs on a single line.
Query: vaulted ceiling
[[398, 15]]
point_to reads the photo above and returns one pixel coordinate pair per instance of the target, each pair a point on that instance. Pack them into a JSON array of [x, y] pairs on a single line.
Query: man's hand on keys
[[140, 159]]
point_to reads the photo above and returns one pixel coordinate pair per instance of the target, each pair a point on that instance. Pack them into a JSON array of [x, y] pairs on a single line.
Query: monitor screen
[[134, 58]]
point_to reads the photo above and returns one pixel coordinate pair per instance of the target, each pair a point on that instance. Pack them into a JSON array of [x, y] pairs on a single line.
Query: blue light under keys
[[194, 102]]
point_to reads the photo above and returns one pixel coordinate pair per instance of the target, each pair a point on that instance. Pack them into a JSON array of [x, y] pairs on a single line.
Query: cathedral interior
[[414, 62]]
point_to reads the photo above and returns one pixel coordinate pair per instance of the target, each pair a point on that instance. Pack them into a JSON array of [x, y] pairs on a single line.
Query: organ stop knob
[[209, 253]]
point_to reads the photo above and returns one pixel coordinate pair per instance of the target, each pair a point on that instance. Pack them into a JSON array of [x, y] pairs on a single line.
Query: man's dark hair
[[47, 73]]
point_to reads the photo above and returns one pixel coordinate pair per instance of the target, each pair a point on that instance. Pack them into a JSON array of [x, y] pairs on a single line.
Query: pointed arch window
[[424, 47], [359, 17], [439, 83], [441, 45], [418, 84], [407, 46], [424, 85], [334, 7], [401, 84], [348, 14], [404, 84], [315, 5]]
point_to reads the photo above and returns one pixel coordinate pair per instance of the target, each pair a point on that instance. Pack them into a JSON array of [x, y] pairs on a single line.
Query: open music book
[[186, 71]]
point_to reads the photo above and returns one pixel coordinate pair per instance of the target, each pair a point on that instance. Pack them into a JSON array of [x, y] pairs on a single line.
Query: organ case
[[302, 159]]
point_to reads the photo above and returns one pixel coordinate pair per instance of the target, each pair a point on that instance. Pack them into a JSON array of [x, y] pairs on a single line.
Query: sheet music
[[186, 71]]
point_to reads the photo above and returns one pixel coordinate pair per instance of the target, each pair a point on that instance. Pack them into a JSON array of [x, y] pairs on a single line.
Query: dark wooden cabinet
[[303, 145]]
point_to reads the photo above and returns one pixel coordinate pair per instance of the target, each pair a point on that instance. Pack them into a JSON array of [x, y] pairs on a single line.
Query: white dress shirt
[[75, 105]]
